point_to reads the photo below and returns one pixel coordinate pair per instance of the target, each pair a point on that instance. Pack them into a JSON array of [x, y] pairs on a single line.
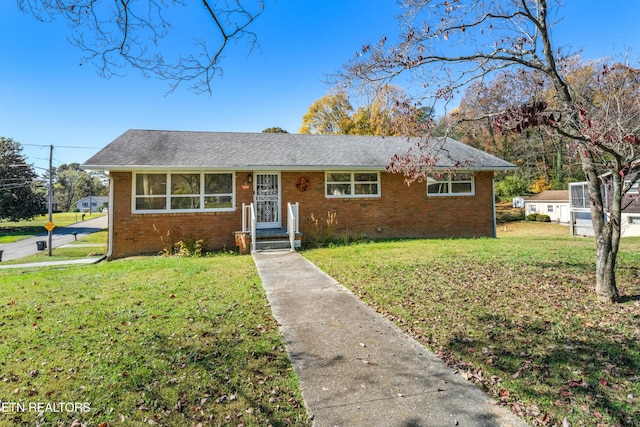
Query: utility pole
[[50, 194]]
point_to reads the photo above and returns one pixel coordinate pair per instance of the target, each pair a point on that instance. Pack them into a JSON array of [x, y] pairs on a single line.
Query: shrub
[[543, 218], [538, 217]]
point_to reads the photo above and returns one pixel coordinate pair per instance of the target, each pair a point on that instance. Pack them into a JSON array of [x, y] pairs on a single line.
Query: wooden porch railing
[[293, 223], [249, 220]]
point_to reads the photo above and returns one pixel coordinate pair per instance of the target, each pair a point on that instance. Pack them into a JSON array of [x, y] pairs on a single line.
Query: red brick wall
[[144, 233], [401, 212]]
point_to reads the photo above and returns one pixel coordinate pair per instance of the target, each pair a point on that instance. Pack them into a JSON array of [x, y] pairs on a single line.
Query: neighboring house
[[581, 224], [554, 203], [170, 185], [92, 204]]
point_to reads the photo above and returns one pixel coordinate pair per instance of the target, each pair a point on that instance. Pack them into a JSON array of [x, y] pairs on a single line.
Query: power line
[[59, 146]]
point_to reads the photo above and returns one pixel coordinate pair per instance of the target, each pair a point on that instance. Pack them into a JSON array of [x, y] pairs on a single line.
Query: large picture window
[[450, 184], [183, 192], [352, 184]]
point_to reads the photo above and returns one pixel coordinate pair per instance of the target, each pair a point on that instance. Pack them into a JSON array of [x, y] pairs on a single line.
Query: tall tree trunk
[[607, 232], [606, 288]]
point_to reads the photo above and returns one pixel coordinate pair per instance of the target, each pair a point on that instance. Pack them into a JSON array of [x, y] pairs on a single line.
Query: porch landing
[[267, 239]]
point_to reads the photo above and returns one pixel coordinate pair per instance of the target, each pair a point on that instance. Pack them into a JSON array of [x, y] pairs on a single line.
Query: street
[[61, 236]]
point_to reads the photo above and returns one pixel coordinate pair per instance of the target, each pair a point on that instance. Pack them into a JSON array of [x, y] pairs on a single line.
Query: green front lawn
[[144, 341]]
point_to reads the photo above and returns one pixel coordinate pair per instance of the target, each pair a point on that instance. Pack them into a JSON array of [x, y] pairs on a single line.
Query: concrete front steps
[[267, 239]]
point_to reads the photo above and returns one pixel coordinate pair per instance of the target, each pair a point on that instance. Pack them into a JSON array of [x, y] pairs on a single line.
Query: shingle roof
[[550, 196], [149, 149]]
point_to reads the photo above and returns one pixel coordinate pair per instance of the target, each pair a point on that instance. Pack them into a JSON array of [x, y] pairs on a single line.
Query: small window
[[635, 220], [450, 184], [550, 208], [218, 191], [151, 191], [579, 196], [352, 184], [635, 188], [533, 208], [185, 191]]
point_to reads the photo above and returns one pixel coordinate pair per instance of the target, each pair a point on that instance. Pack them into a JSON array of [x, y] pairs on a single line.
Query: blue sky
[[47, 98]]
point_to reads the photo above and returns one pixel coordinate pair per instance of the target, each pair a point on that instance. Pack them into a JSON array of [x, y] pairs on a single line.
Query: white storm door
[[267, 200]]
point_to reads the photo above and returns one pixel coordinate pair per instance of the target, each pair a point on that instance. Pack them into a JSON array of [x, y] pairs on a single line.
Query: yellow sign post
[[49, 226]]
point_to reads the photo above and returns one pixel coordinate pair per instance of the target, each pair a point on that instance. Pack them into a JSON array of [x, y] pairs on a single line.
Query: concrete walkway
[[355, 367]]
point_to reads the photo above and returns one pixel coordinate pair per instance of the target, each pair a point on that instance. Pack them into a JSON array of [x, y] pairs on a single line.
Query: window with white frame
[[549, 208], [579, 195], [352, 184], [183, 192], [635, 188], [450, 184], [634, 220]]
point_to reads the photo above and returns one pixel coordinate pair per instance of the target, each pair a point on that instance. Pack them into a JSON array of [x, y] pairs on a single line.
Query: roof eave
[[317, 168]]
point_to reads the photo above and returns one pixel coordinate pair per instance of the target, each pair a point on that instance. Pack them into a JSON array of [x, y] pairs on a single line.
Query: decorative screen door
[[267, 200]]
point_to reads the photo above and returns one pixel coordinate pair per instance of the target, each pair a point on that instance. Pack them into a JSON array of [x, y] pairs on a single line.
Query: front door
[[267, 199]]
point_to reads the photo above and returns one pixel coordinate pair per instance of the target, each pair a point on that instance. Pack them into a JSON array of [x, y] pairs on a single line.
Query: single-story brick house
[[554, 203], [211, 185]]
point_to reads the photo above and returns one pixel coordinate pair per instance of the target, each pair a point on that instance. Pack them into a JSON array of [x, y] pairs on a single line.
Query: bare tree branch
[[118, 34]]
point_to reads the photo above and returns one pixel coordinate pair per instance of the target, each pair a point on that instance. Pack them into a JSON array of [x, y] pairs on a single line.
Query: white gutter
[[110, 231], [493, 204]]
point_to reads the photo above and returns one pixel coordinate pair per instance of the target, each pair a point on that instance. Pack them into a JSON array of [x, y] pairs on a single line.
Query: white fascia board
[[316, 168]]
